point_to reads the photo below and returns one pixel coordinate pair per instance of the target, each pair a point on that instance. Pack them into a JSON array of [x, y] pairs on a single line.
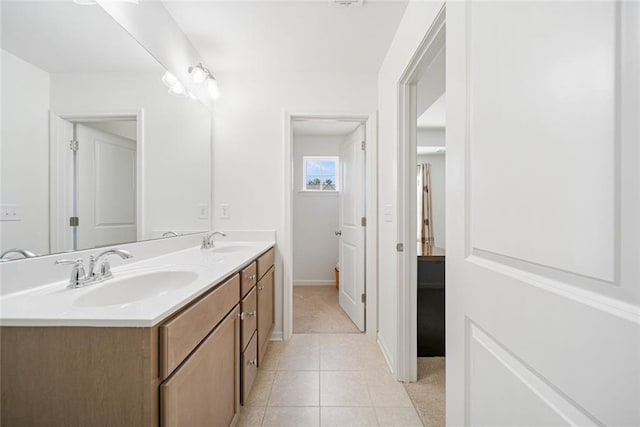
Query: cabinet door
[[204, 391], [265, 312], [248, 317], [249, 368]]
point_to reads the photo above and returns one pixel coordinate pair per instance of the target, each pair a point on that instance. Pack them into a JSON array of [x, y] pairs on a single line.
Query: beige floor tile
[[316, 310], [272, 356], [301, 354], [347, 417], [292, 416], [344, 388], [250, 416], [295, 388], [261, 390], [385, 391], [398, 417]]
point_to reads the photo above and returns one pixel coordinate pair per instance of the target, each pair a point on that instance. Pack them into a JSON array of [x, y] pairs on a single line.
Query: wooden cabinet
[[203, 390], [192, 369], [266, 316]]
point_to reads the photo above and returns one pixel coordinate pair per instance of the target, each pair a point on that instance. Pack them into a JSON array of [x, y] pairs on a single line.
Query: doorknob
[[338, 233]]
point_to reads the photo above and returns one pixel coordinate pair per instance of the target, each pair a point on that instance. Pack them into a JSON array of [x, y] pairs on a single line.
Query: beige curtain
[[424, 207]]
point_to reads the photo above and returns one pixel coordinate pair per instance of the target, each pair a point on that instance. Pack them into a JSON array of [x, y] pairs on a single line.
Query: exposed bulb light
[[172, 83], [198, 73], [213, 89]]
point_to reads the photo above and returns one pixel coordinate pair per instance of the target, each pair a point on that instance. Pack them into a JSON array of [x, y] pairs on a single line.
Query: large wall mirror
[[94, 149]]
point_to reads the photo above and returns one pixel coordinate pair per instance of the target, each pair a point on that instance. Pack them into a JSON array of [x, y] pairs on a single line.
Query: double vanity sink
[[170, 340]]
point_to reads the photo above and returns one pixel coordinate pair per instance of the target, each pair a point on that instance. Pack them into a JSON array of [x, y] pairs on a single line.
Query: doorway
[[96, 193], [329, 265]]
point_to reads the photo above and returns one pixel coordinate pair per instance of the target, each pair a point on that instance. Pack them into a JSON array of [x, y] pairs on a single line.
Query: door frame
[[407, 271], [56, 158], [370, 121]]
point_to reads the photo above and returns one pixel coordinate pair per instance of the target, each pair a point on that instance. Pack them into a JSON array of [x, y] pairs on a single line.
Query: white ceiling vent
[[346, 3]]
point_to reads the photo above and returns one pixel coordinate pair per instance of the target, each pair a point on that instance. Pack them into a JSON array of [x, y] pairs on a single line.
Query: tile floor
[[316, 310], [327, 380]]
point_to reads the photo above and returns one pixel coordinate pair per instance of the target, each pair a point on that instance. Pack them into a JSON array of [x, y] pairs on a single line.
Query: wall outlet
[[225, 211], [203, 211], [10, 213]]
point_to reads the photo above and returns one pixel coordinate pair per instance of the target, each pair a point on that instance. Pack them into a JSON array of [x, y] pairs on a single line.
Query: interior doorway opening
[[329, 277]]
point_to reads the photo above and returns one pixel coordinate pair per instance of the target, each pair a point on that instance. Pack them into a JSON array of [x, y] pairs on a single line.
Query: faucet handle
[[77, 273]]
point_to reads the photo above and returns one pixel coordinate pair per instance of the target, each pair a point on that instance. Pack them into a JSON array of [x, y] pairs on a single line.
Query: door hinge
[[363, 221], [363, 297], [363, 145], [74, 221], [400, 247], [73, 145]]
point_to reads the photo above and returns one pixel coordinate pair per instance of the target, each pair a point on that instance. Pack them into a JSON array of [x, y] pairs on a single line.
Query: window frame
[[335, 159]]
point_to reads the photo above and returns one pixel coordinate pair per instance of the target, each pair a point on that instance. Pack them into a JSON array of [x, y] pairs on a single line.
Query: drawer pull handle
[[253, 362]]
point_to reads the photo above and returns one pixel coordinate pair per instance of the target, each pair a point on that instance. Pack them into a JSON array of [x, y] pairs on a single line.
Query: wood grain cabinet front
[[248, 368], [248, 317], [265, 312], [203, 390], [248, 279], [265, 262]]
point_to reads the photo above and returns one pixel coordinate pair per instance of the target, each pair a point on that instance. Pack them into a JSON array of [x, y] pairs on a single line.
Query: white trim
[[385, 351], [371, 286], [407, 345], [314, 282], [54, 210]]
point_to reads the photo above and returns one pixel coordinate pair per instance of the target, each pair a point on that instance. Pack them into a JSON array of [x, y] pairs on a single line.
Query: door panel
[[543, 213], [351, 210]]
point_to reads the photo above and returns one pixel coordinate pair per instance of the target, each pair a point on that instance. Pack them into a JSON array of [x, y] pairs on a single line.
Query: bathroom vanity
[[185, 354]]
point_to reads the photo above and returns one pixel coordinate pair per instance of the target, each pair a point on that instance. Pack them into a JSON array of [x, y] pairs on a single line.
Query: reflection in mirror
[[94, 150]]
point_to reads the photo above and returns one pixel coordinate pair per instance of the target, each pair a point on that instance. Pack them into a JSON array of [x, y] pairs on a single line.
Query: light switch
[[203, 211], [10, 213], [225, 211]]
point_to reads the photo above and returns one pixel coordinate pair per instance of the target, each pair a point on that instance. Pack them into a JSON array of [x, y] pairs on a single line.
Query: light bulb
[[191, 96], [213, 89], [197, 74], [169, 79], [177, 89]]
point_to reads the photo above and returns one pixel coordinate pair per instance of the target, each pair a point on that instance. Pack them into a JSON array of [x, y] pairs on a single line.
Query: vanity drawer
[[248, 278], [249, 368], [180, 335], [265, 262], [248, 317]]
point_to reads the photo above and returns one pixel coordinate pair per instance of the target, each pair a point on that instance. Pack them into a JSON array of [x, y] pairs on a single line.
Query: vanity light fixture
[[201, 74], [94, 2], [174, 86]]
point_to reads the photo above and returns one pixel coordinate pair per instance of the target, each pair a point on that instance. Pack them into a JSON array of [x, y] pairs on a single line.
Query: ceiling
[[436, 115], [294, 36], [62, 36], [324, 127]]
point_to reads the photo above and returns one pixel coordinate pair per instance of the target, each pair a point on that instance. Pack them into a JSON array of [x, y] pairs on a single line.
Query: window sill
[[317, 193]]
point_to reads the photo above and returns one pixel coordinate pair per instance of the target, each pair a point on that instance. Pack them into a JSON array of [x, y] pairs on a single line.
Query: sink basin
[[135, 288], [230, 249]]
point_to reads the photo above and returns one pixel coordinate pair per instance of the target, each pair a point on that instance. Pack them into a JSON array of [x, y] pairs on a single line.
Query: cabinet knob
[[253, 362], [241, 316], [261, 287], [252, 313]]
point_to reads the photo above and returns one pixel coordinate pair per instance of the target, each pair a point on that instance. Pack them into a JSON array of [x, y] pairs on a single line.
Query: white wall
[[124, 128], [437, 162], [24, 153], [315, 217], [248, 141], [431, 137], [415, 23], [177, 140], [432, 87]]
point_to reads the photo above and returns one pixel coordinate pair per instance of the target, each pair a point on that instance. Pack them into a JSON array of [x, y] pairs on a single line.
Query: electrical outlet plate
[[203, 211], [10, 213], [225, 211]]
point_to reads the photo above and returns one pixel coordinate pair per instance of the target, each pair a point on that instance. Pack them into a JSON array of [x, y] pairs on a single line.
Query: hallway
[[327, 380]]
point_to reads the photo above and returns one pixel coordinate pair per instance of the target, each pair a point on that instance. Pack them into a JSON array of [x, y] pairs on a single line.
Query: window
[[320, 173]]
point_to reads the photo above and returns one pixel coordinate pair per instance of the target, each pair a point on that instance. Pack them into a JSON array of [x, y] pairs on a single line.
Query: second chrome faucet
[[81, 278]]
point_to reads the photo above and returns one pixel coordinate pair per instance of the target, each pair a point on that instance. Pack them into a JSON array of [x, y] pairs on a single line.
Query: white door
[[351, 211], [106, 188], [543, 225], [61, 183]]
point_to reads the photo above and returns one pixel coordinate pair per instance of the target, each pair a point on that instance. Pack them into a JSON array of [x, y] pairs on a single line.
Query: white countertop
[[56, 304]]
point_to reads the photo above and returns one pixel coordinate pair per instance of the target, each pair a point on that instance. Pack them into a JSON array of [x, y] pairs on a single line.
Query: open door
[[352, 239], [543, 213]]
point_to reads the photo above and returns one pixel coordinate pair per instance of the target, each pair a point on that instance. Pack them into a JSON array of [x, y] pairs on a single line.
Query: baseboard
[[276, 336], [385, 353], [314, 283]]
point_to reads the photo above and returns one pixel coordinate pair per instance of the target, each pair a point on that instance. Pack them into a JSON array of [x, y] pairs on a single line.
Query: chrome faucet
[[207, 241], [25, 253], [80, 278], [170, 234]]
